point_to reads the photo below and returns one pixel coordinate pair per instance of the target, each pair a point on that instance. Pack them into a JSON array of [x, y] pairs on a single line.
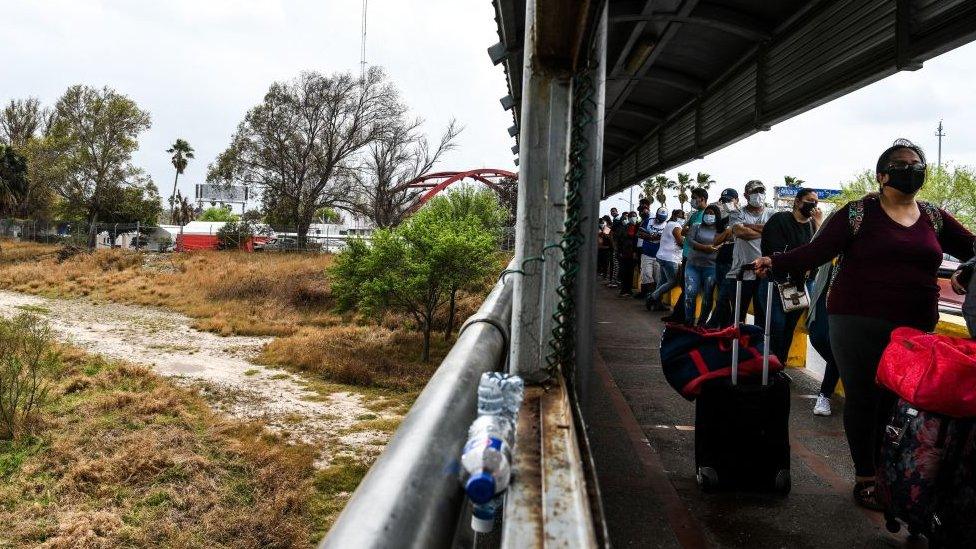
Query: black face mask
[[908, 179], [807, 209]]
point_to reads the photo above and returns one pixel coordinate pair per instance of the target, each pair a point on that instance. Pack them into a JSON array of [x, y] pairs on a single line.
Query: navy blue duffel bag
[[691, 356]]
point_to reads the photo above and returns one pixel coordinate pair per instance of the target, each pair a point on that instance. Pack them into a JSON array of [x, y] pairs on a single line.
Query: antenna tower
[[940, 134], [362, 49]]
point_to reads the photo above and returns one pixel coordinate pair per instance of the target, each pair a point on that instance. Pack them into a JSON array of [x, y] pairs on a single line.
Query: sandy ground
[[220, 367]]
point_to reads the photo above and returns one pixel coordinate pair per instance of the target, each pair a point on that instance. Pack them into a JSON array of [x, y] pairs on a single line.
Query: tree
[[21, 120], [793, 182], [393, 160], [182, 154], [96, 131], [301, 142], [682, 185], [703, 180], [234, 235], [253, 216], [328, 215], [480, 204], [218, 214], [13, 181], [411, 268], [183, 212]]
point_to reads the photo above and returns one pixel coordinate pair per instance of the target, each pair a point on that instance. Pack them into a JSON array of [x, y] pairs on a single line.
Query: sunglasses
[[905, 167]]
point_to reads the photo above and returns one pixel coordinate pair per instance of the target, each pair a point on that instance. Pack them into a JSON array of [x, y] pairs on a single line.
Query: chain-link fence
[[199, 235]]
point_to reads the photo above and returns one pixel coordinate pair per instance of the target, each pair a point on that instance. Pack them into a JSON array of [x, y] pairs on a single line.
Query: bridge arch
[[493, 178]]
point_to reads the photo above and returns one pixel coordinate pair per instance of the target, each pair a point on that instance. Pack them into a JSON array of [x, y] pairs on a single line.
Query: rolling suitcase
[[742, 426]]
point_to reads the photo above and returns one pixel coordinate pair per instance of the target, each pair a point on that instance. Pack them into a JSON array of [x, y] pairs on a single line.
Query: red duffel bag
[[936, 373]]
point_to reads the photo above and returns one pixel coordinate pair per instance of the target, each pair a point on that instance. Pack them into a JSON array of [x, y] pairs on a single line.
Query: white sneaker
[[822, 407]]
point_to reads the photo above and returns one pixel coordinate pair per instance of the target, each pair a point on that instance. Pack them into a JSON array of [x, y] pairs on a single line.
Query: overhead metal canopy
[[688, 77]]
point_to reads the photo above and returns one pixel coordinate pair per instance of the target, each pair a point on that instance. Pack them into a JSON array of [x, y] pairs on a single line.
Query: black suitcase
[[742, 426]]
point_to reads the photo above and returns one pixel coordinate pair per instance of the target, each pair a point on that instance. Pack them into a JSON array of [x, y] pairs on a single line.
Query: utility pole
[[362, 48], [940, 134]]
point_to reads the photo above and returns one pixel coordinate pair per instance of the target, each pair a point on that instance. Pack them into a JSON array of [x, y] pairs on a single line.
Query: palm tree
[[182, 154], [703, 180], [793, 182], [659, 189], [682, 186]]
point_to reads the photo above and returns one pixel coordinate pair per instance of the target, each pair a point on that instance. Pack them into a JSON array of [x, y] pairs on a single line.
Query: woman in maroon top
[[887, 277]]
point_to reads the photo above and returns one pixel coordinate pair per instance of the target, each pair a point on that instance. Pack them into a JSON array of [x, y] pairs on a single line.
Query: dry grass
[[227, 292], [16, 252], [127, 459], [237, 293]]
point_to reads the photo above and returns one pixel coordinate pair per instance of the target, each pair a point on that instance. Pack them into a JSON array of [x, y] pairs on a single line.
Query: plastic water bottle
[[483, 515], [487, 455]]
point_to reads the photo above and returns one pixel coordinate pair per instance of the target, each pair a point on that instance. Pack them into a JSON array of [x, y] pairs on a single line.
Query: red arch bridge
[[500, 181]]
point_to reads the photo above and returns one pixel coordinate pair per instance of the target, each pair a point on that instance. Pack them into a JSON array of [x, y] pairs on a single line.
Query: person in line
[[747, 227], [644, 266], [650, 239], [616, 224], [699, 199], [626, 241], [721, 315], [604, 247], [705, 240], [817, 328], [892, 247], [786, 231], [964, 283], [668, 259]]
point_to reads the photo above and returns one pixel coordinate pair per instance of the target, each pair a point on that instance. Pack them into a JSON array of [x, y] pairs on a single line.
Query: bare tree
[[393, 160], [301, 142]]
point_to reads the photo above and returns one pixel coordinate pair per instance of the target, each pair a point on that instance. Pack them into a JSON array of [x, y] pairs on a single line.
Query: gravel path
[[220, 367]]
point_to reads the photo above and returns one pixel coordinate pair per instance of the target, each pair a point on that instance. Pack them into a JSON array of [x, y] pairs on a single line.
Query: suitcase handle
[[738, 309], [741, 273]]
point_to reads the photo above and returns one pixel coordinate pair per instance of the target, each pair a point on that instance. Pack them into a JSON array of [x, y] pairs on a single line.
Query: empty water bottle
[[500, 393]]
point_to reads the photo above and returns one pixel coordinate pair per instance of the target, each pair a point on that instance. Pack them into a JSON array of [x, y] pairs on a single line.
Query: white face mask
[[626, 221], [757, 200]]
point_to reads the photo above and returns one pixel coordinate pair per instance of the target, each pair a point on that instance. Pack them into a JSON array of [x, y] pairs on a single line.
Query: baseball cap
[[755, 186], [728, 195]]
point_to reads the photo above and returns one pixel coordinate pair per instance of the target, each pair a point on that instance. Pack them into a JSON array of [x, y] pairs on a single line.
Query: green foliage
[[13, 180], [415, 268], [27, 363], [252, 216], [234, 235], [328, 215], [95, 131], [793, 182], [952, 189], [461, 202], [218, 214]]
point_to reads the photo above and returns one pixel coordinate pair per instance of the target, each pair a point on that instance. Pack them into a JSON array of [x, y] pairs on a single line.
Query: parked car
[[949, 300], [277, 244]]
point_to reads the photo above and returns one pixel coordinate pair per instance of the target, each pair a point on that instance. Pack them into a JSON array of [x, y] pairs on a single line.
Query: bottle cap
[[480, 487]]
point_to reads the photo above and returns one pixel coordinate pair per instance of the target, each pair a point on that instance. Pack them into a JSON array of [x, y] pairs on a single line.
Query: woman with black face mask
[[890, 247]]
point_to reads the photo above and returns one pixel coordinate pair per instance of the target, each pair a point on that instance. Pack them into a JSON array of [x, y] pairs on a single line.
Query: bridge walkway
[[642, 438]]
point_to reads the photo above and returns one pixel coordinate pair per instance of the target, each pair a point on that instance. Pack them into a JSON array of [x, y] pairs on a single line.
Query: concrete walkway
[[642, 437]]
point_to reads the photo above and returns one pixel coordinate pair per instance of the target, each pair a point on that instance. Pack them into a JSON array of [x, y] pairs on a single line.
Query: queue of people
[[870, 267]]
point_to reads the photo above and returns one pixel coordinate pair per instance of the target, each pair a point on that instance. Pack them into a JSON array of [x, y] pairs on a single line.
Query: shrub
[[218, 214], [27, 363], [234, 235]]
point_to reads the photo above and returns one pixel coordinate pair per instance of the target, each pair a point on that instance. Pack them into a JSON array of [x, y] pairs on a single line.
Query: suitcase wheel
[[783, 483], [892, 524], [707, 478]]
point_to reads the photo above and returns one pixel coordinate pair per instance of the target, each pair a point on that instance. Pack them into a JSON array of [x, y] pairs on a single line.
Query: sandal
[[865, 496]]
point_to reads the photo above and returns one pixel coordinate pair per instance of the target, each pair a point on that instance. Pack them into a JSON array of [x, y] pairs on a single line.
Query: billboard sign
[[221, 193], [790, 192]]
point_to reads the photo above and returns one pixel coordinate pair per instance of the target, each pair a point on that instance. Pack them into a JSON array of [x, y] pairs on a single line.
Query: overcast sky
[[197, 66]]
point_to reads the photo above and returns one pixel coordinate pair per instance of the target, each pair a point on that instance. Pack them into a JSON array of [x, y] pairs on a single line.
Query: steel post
[[560, 103], [530, 228], [591, 194]]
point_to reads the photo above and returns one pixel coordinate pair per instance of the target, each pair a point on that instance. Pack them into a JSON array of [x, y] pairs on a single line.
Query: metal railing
[[411, 496]]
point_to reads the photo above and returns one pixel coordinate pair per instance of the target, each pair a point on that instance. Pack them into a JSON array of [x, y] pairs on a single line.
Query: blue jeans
[[782, 325], [669, 279], [722, 312], [698, 279]]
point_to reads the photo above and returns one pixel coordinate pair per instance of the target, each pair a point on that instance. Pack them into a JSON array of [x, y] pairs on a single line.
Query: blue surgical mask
[[708, 219], [661, 218]]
